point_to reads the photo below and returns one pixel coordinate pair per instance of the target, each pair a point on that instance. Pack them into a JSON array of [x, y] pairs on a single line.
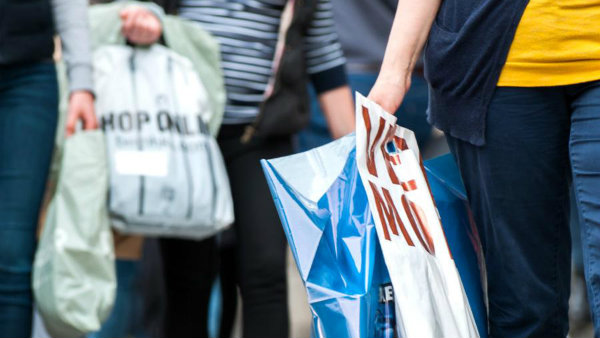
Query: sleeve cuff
[[80, 78], [329, 79]]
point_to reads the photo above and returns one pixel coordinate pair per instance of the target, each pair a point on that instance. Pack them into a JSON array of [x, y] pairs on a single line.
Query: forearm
[[71, 19], [338, 107], [409, 33], [408, 36]]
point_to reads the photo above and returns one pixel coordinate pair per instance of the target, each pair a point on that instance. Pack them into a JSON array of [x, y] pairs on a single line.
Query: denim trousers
[[120, 323], [538, 141], [28, 117]]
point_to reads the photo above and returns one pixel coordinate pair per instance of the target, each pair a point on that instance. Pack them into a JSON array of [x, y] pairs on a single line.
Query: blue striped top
[[248, 32]]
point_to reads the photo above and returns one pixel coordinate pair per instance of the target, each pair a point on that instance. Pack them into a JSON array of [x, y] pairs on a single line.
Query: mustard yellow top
[[557, 43]]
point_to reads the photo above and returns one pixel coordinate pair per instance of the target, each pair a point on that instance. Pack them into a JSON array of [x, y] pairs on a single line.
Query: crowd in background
[[290, 68]]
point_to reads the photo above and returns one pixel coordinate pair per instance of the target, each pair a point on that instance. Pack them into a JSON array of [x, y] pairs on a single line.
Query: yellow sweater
[[557, 43]]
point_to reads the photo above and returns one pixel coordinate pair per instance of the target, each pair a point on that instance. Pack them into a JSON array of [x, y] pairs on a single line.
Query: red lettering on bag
[[371, 167], [409, 186], [386, 209], [388, 214], [394, 159], [417, 220], [370, 151], [390, 159]]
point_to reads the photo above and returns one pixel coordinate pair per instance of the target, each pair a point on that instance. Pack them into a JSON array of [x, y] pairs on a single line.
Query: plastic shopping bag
[[429, 295], [329, 224], [461, 232], [167, 175], [74, 278]]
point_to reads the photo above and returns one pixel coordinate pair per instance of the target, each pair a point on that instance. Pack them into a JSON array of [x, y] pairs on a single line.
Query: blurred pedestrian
[[514, 84], [140, 301], [270, 49], [28, 118], [363, 28]]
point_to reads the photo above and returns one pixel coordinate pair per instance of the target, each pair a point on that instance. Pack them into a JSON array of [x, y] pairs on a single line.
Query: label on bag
[[142, 163], [385, 319]]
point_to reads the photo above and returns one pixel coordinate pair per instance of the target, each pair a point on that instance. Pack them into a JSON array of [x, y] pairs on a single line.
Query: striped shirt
[[247, 31]]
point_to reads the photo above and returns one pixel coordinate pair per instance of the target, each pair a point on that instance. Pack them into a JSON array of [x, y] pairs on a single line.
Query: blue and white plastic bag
[[328, 223], [367, 238]]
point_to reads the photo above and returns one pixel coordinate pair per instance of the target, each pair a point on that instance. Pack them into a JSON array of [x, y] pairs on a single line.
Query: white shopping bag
[[167, 175], [429, 296]]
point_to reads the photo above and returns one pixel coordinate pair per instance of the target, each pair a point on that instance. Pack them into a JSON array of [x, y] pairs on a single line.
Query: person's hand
[[389, 91], [140, 26], [81, 107]]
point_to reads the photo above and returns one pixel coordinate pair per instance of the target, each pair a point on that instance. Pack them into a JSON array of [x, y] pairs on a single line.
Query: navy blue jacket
[[465, 53], [26, 31]]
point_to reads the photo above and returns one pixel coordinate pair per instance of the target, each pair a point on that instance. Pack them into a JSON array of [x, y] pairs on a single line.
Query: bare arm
[[408, 36], [338, 107]]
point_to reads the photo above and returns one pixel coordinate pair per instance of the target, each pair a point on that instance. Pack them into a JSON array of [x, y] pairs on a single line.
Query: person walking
[[269, 50], [515, 86], [28, 118]]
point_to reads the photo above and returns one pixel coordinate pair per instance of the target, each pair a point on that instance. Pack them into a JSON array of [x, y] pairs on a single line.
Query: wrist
[[395, 75], [80, 76], [398, 70], [82, 92]]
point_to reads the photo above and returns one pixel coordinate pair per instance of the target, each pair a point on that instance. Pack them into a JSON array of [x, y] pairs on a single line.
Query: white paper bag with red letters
[[429, 295]]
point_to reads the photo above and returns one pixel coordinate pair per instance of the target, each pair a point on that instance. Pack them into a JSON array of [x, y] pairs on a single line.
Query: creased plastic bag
[[429, 295], [328, 224], [325, 211], [461, 232], [74, 278]]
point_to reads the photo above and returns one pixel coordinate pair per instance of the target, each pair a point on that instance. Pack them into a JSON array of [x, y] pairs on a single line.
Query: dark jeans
[[518, 187], [253, 253], [28, 117], [120, 322]]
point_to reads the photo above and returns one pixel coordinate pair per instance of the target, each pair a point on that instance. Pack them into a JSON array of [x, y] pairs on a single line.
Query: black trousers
[[254, 252]]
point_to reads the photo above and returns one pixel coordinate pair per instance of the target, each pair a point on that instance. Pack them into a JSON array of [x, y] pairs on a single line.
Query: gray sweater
[[71, 22]]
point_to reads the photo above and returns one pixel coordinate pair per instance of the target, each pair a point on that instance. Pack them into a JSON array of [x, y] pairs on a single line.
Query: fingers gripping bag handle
[[429, 296]]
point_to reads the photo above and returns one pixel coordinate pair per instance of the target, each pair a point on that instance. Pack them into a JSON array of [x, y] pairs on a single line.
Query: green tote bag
[[74, 280]]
